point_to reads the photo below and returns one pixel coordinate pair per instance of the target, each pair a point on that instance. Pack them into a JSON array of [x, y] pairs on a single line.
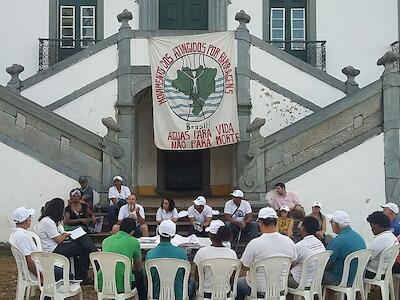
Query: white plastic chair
[[64, 288], [276, 273], [36, 240], [26, 279], [108, 262], [167, 269], [362, 257], [222, 270], [319, 260], [385, 265]]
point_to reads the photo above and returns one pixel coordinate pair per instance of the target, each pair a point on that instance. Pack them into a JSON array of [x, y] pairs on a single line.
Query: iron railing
[[396, 48], [52, 51], [312, 52]]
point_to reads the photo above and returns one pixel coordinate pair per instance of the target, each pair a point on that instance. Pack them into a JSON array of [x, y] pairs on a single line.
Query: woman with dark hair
[[316, 213], [167, 211], [77, 213], [219, 234], [54, 239]]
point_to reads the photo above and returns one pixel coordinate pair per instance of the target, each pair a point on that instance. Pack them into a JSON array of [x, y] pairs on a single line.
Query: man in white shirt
[[384, 238], [271, 243], [136, 212], [200, 216], [238, 216], [117, 194], [308, 246]]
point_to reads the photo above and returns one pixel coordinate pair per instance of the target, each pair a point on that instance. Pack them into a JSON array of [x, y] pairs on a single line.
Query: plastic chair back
[[387, 259], [22, 266], [276, 271], [222, 270], [107, 263], [318, 261], [167, 269], [36, 240], [362, 257]]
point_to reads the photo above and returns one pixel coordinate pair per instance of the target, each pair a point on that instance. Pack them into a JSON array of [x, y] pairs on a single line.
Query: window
[[278, 26], [67, 26], [298, 28], [88, 27]]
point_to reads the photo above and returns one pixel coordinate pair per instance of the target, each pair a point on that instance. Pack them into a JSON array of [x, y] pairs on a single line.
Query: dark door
[[288, 23], [77, 26], [183, 14]]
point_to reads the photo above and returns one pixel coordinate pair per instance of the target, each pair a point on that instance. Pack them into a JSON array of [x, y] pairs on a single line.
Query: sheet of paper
[[77, 233]]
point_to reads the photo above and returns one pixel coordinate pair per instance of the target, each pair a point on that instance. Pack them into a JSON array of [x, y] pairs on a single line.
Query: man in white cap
[[271, 243], [165, 249], [117, 194], [346, 242], [391, 210], [200, 216], [238, 216]]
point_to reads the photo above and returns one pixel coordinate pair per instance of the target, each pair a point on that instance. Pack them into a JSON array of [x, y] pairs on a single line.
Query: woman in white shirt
[[54, 239], [219, 234], [167, 211]]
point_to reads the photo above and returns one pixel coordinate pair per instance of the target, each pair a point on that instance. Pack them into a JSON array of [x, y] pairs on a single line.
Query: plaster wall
[[254, 9], [293, 79], [88, 110], [23, 191], [112, 8], [358, 33], [353, 182], [19, 30], [277, 110], [74, 77], [140, 52]]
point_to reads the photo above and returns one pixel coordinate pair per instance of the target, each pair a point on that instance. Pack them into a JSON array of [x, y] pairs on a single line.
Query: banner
[[194, 91]]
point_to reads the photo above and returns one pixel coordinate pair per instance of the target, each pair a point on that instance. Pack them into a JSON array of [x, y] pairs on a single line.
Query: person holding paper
[[78, 214], [200, 216], [54, 239]]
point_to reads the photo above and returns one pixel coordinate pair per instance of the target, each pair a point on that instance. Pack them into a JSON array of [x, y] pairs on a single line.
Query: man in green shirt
[[165, 249], [124, 243]]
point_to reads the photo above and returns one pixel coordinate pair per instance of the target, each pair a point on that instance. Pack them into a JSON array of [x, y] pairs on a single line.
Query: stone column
[[15, 83], [243, 90], [125, 99], [391, 125], [351, 84]]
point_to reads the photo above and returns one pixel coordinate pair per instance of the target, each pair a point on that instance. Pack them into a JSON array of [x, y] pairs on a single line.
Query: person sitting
[[136, 212], [238, 216], [384, 238], [117, 194], [308, 246], [391, 210], [200, 216], [124, 243], [285, 224], [396, 266], [284, 197], [316, 213], [54, 239], [346, 242], [218, 234], [271, 243], [167, 211], [165, 249], [77, 214], [86, 192]]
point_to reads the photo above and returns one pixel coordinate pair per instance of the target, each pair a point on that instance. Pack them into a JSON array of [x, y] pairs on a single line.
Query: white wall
[[21, 26], [112, 8], [140, 52], [88, 110], [74, 77], [277, 110], [358, 33], [253, 8], [353, 182], [293, 79], [20, 190]]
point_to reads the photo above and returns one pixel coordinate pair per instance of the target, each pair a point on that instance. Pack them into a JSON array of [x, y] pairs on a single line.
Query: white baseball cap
[[21, 214], [316, 203], [340, 217], [237, 193], [285, 208], [167, 228], [214, 226], [117, 178], [392, 206], [267, 212], [200, 200]]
